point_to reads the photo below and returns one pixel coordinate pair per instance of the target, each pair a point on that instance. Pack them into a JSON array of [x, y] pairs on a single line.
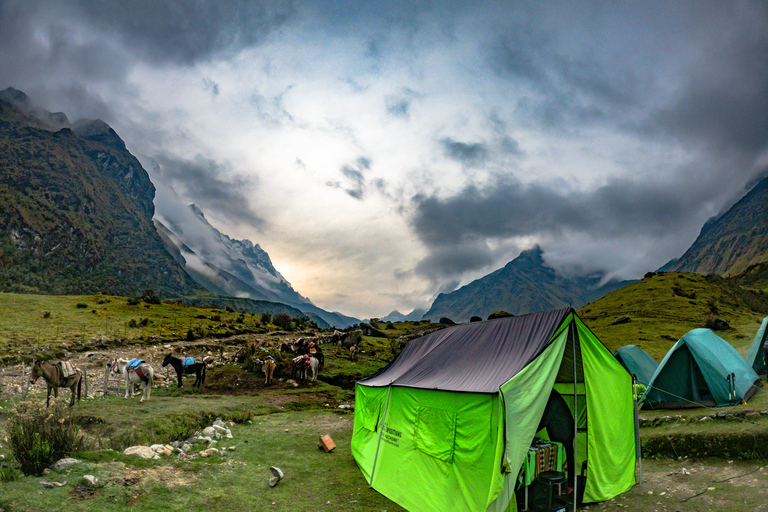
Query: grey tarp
[[477, 357]]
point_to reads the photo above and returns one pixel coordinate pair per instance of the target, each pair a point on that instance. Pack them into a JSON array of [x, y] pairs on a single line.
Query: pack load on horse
[[267, 366], [58, 375], [187, 366], [135, 371], [316, 352], [304, 367]]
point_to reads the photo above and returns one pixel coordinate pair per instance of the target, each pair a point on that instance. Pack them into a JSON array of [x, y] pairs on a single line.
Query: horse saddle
[[134, 363], [67, 369], [187, 361]]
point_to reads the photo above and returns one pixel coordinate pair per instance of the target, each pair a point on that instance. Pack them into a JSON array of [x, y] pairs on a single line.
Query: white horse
[[132, 377], [303, 365]]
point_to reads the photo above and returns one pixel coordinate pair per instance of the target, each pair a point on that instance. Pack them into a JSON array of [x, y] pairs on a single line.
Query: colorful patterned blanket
[[542, 456]]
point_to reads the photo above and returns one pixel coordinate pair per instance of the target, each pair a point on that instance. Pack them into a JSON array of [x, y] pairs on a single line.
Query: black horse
[[558, 421], [198, 368]]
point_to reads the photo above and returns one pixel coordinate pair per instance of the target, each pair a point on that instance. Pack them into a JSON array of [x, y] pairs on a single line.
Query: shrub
[[9, 473], [283, 321], [475, 319], [149, 297], [46, 314], [266, 318], [39, 436], [134, 301], [132, 322], [82, 305]]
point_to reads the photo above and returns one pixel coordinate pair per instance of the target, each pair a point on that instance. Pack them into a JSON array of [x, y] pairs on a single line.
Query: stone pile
[[200, 444]]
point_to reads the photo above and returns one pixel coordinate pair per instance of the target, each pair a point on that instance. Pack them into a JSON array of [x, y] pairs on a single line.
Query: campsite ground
[[686, 485], [280, 426]]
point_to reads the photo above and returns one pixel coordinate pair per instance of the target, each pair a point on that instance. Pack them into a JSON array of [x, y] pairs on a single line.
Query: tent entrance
[[570, 384], [687, 393]]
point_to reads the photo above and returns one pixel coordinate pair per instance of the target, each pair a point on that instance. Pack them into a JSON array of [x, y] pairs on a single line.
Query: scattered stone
[[91, 480], [63, 464], [277, 475], [51, 485], [145, 452], [231, 448]]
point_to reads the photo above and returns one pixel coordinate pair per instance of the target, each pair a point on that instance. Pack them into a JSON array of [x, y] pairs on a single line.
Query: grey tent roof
[[477, 357]]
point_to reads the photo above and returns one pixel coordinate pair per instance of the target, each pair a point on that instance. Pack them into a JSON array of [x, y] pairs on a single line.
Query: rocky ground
[[14, 379]]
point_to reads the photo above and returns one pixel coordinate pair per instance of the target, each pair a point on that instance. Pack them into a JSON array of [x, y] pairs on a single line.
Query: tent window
[[370, 414], [435, 432]]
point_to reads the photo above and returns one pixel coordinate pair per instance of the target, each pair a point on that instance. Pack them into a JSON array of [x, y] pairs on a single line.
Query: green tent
[[448, 424], [700, 370], [755, 354], [638, 362]]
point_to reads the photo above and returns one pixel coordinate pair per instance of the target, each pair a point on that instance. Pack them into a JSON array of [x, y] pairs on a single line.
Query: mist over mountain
[[396, 316], [76, 217], [732, 242], [525, 285], [76, 209], [231, 267]]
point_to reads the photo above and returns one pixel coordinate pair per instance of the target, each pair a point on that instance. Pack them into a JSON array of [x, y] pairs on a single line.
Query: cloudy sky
[[382, 152]]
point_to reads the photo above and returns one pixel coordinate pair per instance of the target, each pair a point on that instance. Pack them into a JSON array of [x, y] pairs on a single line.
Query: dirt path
[[687, 486], [14, 379]]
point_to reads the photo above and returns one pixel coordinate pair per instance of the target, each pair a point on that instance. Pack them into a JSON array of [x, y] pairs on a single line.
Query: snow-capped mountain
[[227, 266]]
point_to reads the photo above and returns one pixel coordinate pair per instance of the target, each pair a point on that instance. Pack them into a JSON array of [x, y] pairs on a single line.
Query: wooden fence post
[[106, 379], [24, 382]]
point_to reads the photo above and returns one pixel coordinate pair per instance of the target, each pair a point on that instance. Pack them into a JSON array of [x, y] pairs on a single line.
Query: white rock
[[145, 452], [92, 480], [63, 464]]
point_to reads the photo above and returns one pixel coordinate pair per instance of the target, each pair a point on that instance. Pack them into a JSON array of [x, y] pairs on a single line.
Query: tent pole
[[381, 431], [638, 445], [575, 415]]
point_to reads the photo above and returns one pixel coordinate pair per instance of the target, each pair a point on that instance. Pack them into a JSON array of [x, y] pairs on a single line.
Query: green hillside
[[657, 311]]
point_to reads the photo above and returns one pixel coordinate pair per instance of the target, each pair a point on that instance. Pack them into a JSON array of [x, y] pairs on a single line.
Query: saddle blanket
[[134, 363], [67, 369], [187, 361]]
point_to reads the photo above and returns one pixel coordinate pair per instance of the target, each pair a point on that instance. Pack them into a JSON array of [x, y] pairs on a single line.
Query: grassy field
[[659, 310], [274, 429], [31, 321], [280, 425]]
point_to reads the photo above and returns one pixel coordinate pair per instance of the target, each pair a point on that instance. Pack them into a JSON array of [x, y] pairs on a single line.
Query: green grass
[[314, 480], [663, 308], [47, 322]]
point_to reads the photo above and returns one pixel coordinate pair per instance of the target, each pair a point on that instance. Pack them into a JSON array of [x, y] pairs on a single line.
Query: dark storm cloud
[[184, 32], [453, 260], [727, 108], [513, 209], [466, 153], [695, 71], [210, 186]]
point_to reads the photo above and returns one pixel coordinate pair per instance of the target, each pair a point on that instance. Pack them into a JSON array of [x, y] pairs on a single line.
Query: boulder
[[145, 452], [63, 464]]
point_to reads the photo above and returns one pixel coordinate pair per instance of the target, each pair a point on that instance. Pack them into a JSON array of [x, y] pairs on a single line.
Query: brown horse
[[54, 379]]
